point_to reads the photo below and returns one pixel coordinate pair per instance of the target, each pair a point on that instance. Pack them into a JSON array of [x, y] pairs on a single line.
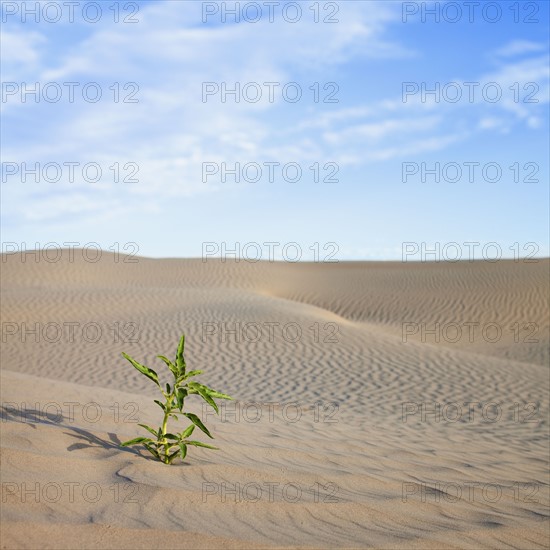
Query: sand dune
[[367, 465]]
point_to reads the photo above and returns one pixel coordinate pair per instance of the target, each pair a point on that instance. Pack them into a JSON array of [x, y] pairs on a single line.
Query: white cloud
[[393, 128], [376, 131], [21, 53], [519, 47], [171, 131]]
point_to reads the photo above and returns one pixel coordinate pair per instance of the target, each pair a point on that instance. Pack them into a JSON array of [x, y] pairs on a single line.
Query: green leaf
[[173, 455], [183, 450], [188, 431], [169, 364], [194, 387], [149, 429], [213, 393], [152, 450], [219, 395], [161, 405], [150, 373], [136, 441], [181, 394], [209, 400], [171, 436], [168, 390], [197, 421], [200, 444], [216, 394], [180, 361], [192, 373]]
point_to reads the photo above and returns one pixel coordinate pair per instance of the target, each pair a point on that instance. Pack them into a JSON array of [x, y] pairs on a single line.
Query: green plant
[[162, 446]]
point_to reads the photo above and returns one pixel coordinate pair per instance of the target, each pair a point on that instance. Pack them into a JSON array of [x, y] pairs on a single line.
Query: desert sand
[[330, 443]]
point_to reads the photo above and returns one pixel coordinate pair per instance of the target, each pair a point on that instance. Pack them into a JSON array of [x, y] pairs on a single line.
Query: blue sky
[[368, 133]]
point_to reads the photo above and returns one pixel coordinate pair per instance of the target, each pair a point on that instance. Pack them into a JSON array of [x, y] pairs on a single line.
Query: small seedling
[[162, 447]]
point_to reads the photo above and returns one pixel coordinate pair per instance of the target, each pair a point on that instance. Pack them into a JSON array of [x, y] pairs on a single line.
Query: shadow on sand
[[11, 412]]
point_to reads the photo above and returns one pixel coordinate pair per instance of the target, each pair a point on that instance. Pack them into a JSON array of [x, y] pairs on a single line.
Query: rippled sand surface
[[378, 405]]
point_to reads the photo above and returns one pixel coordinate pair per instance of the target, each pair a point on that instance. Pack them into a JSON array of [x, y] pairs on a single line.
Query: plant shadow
[[30, 417], [12, 412], [89, 439]]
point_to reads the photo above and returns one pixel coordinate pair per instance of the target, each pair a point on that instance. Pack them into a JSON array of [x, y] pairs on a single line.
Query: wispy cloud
[[172, 131], [520, 47]]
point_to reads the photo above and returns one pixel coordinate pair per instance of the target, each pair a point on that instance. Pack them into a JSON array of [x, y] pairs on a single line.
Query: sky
[[359, 130]]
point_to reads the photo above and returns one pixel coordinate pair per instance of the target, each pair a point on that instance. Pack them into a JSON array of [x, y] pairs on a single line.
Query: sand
[[332, 441]]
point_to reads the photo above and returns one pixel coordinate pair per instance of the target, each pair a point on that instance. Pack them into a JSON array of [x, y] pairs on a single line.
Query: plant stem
[[164, 422], [169, 399]]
